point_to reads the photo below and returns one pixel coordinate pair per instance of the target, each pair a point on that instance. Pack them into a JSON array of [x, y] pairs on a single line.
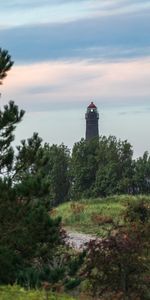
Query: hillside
[[95, 216]]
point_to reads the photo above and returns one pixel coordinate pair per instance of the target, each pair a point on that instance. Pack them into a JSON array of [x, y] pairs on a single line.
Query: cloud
[[57, 85], [95, 38], [34, 3], [16, 13], [23, 12], [95, 5]]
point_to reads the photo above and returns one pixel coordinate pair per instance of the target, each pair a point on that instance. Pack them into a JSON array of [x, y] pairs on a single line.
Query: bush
[[29, 238], [100, 219], [138, 211], [119, 264]]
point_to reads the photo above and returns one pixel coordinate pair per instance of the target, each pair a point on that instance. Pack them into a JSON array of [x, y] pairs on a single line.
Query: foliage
[[100, 215], [61, 273], [38, 177], [41, 171], [105, 167], [141, 178], [10, 116], [101, 167], [64, 270], [5, 63], [120, 263], [29, 237], [18, 293], [83, 168], [138, 211], [100, 219], [85, 215]]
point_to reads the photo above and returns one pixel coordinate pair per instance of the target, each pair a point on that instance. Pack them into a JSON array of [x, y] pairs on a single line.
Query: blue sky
[[68, 52]]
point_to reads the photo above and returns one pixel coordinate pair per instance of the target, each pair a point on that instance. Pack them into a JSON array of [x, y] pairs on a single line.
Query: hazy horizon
[[68, 53]]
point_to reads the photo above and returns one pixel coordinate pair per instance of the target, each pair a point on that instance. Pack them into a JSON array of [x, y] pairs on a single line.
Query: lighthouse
[[92, 117]]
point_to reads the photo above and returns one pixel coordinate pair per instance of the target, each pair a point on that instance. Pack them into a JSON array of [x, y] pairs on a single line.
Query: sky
[[68, 53]]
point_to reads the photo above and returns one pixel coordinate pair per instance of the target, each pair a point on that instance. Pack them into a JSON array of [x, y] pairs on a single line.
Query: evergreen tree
[[141, 177], [84, 168], [42, 171], [101, 167], [28, 236], [9, 118], [5, 63]]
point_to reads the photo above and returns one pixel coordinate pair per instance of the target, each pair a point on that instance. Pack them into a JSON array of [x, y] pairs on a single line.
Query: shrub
[[100, 219], [77, 208], [119, 264], [138, 211]]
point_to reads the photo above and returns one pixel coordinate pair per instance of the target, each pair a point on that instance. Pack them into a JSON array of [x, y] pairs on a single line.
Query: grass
[[18, 293], [83, 216]]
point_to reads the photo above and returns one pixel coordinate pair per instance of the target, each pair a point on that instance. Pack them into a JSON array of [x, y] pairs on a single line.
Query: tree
[[115, 166], [29, 237], [117, 267], [42, 171], [84, 168], [101, 167], [5, 63], [141, 177], [9, 118]]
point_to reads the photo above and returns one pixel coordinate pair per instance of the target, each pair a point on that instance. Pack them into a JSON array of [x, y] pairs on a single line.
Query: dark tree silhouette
[[5, 63]]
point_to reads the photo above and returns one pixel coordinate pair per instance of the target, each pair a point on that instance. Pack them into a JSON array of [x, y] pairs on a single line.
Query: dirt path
[[78, 240]]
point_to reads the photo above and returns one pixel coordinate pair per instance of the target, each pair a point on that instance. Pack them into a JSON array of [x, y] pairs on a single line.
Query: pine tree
[[9, 117], [28, 236], [5, 63]]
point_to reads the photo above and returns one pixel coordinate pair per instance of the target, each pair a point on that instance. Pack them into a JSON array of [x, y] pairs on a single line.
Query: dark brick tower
[[92, 117]]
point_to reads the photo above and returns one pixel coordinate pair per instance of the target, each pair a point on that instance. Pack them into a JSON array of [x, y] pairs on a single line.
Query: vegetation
[[5, 63], [105, 166], [19, 293], [122, 259], [41, 171], [37, 177], [29, 238], [96, 216]]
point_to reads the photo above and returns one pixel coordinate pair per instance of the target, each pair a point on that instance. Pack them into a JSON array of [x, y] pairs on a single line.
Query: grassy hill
[[95, 216]]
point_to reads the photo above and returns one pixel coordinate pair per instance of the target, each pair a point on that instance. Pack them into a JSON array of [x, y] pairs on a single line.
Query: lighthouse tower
[[92, 117]]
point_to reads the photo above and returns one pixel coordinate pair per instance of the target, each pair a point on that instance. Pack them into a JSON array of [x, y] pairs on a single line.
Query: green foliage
[[10, 116], [138, 211], [29, 237], [105, 167], [72, 283], [5, 63], [42, 171], [98, 216], [8, 262], [38, 177], [28, 233], [120, 264], [141, 178], [18, 293], [101, 167], [80, 215], [83, 168]]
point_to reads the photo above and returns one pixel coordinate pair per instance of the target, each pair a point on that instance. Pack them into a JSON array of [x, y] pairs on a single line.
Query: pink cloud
[[62, 82]]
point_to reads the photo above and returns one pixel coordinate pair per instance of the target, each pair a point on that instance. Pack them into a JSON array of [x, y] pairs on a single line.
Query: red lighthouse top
[[92, 105]]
